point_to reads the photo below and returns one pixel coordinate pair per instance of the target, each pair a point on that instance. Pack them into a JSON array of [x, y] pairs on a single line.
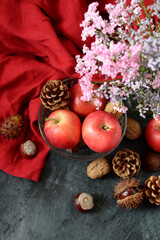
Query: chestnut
[[128, 192], [28, 149], [84, 202]]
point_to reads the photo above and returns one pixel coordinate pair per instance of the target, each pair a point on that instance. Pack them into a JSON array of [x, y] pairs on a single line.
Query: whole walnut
[[98, 168], [110, 107], [133, 130]]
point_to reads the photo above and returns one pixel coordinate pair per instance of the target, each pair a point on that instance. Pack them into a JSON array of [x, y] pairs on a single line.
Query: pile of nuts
[[126, 164], [14, 128]]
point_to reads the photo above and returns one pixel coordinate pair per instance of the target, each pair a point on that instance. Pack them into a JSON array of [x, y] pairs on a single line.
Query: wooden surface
[[45, 210]]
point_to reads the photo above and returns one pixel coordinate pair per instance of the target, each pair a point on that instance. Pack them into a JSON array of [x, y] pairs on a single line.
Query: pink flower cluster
[[109, 59], [120, 50], [156, 81], [92, 21]]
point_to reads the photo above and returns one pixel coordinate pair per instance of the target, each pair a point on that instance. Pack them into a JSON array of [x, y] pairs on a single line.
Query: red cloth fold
[[38, 42]]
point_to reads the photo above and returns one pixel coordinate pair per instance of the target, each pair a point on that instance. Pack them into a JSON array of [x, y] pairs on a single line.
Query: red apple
[[83, 108], [63, 129], [101, 131], [152, 134]]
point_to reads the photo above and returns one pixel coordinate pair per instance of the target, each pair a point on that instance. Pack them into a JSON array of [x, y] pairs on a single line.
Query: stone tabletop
[[45, 210]]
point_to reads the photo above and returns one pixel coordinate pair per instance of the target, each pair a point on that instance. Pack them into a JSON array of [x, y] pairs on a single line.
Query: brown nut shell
[[111, 109], [98, 168], [151, 161], [133, 130]]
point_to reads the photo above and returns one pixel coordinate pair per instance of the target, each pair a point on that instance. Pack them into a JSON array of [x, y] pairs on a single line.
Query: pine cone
[[55, 95], [152, 189], [12, 126], [126, 163]]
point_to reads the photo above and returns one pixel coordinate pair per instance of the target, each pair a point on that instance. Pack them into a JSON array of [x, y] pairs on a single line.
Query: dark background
[[45, 210]]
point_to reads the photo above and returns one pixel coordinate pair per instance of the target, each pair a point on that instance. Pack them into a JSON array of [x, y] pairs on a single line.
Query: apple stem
[[158, 127], [52, 119], [105, 127]]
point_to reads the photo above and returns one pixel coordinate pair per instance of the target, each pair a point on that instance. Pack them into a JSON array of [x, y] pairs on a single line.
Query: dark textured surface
[[45, 210]]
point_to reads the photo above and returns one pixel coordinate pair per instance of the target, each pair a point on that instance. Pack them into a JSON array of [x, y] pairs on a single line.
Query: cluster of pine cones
[[126, 164]]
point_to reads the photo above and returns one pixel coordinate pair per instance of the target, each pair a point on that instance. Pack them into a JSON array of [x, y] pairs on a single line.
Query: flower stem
[[147, 15]]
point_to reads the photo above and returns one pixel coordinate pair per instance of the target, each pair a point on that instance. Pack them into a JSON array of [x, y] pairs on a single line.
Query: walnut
[[98, 168], [133, 130], [111, 109]]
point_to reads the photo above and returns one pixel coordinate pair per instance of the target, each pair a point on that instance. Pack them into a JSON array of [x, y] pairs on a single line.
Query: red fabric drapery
[[38, 42]]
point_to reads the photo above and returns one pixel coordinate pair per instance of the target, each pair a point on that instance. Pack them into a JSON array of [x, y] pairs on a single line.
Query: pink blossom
[[156, 82], [86, 87], [92, 21], [116, 13], [119, 49], [97, 102]]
